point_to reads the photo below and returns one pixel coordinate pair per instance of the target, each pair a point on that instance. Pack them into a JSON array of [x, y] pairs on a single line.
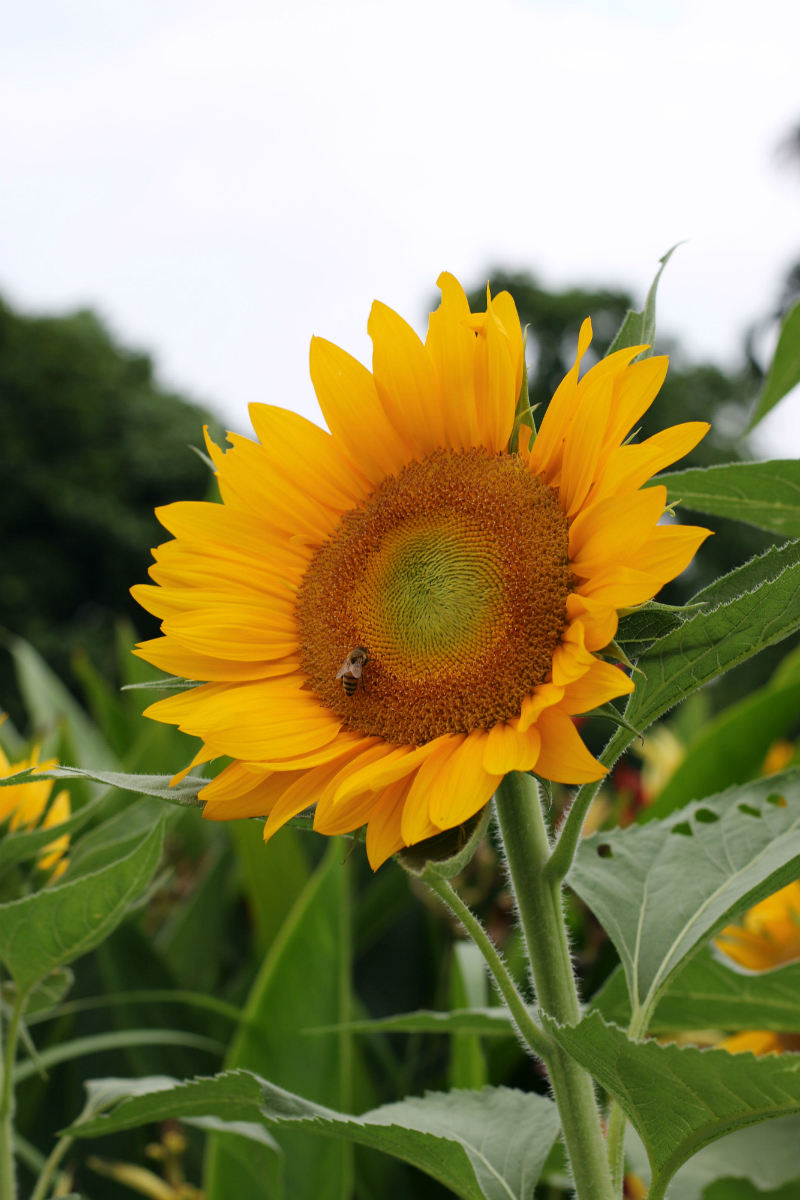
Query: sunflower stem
[[538, 1041], [560, 860], [8, 1176], [541, 912], [617, 1123]]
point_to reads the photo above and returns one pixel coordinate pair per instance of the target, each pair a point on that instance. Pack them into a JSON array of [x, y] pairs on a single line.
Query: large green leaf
[[709, 994], [662, 890], [184, 792], [483, 1145], [468, 986], [52, 927], [273, 876], [784, 373], [678, 1098], [746, 1163], [745, 611], [190, 941], [49, 702], [764, 494], [730, 748], [303, 983]]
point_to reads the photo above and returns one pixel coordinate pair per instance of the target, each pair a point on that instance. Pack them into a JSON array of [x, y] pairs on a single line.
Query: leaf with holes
[[747, 610], [708, 993], [483, 1145], [662, 890], [680, 1099]]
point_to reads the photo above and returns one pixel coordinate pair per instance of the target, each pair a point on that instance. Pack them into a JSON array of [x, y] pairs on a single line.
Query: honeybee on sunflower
[[479, 583]]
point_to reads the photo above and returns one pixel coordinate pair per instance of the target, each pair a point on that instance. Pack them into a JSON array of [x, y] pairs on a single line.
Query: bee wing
[[356, 669], [344, 669]]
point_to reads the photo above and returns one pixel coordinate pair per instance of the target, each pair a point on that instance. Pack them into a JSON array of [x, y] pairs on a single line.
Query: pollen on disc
[[454, 576]]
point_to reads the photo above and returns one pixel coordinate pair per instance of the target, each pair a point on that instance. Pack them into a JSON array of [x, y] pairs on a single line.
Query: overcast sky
[[223, 179]]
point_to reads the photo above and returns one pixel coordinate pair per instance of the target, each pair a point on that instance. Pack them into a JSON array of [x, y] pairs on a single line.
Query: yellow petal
[[402, 761], [599, 620], [406, 381], [612, 532], [383, 831], [505, 310], [620, 587], [752, 1041], [544, 696], [462, 785], [170, 656], [670, 549], [241, 632], [204, 754], [309, 789], [416, 823], [495, 377], [563, 756], [636, 390], [308, 456], [509, 750], [222, 527], [342, 745], [571, 659], [451, 346], [628, 467], [353, 413], [171, 601], [601, 683], [583, 444], [255, 801], [547, 449]]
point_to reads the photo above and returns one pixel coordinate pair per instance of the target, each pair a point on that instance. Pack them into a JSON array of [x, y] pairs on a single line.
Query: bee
[[350, 670]]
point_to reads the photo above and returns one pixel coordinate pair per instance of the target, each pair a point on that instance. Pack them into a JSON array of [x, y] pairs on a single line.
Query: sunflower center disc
[[454, 577]]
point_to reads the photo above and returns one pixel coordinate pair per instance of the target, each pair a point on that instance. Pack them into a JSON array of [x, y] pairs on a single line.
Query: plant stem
[[615, 1140], [538, 1041], [49, 1169], [8, 1178], [527, 848], [563, 853]]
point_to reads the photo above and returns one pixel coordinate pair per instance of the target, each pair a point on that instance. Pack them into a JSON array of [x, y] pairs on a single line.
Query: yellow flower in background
[[22, 806], [768, 937], [459, 592]]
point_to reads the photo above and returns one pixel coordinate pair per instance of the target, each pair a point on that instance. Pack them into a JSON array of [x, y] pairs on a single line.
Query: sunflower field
[[430, 825]]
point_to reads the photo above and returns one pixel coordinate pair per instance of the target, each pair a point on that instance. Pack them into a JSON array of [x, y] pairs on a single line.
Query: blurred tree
[[90, 445]]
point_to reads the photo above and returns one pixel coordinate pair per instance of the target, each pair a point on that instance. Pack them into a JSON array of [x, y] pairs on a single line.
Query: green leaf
[[729, 749], [646, 625], [184, 792], [21, 845], [747, 610], [482, 1022], [468, 985], [764, 494], [640, 327], [189, 942], [121, 1039], [273, 876], [57, 925], [708, 994], [486, 1145], [661, 894], [48, 702], [678, 1098], [784, 373], [171, 683], [303, 983]]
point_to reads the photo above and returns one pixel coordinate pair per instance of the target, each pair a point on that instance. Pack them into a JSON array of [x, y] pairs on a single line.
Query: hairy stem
[[561, 858], [8, 1177], [536, 1039], [527, 848], [615, 1140]]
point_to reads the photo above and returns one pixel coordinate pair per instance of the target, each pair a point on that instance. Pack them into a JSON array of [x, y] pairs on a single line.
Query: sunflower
[[22, 806], [460, 591]]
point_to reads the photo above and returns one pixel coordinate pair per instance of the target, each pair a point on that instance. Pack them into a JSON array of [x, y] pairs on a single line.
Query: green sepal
[[607, 712], [447, 854], [639, 328], [523, 409]]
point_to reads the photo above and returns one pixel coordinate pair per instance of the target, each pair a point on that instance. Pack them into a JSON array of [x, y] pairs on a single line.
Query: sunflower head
[[25, 806], [392, 615]]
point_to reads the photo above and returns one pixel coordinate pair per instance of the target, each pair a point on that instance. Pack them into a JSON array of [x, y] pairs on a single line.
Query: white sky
[[221, 180]]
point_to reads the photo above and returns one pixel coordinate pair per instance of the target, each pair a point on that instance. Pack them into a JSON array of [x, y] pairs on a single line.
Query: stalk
[[50, 1167], [617, 1123], [8, 1178], [527, 848], [538, 1041]]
